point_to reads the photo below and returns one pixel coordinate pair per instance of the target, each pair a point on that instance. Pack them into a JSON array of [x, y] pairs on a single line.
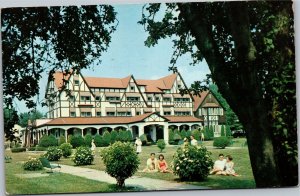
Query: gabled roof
[[58, 79], [96, 82], [199, 99], [157, 86]]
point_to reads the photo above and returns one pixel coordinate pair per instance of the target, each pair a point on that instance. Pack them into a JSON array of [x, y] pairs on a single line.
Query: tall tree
[[24, 117], [39, 39], [249, 48]]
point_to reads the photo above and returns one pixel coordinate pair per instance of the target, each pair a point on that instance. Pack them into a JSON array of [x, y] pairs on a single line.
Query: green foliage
[[223, 131], [211, 132], [83, 156], [18, 149], [196, 134], [121, 161], [66, 149], [10, 119], [171, 136], [33, 164], [129, 136], [177, 138], [32, 116], [106, 138], [47, 141], [76, 141], [221, 142], [228, 131], [183, 133], [98, 141], [192, 163], [88, 140], [53, 153], [114, 136], [123, 136], [144, 140], [61, 140], [161, 144], [39, 148]]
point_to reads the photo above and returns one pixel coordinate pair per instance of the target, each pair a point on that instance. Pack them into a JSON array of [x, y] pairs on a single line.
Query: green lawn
[[41, 184]]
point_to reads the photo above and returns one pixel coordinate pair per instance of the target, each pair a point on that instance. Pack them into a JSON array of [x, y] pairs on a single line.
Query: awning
[[85, 93], [167, 109], [98, 109], [97, 93], [210, 105], [72, 109], [133, 94], [123, 109], [179, 96], [110, 109], [138, 109], [76, 77], [112, 94], [167, 95], [85, 109], [147, 109]]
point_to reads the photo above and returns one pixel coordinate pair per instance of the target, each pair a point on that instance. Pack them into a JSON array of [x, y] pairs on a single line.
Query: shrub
[[196, 134], [66, 149], [114, 135], [31, 149], [161, 144], [18, 149], [106, 138], [188, 134], [98, 141], [39, 148], [53, 153], [33, 164], [171, 136], [76, 141], [83, 156], [129, 136], [223, 131], [177, 138], [47, 141], [144, 139], [192, 163], [228, 131], [221, 142], [61, 140], [122, 136], [183, 133], [121, 161], [88, 140]]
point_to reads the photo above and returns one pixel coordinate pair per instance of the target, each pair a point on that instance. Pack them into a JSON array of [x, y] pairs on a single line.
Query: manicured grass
[[54, 183]]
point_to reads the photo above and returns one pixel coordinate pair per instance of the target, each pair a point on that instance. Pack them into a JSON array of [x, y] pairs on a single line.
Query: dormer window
[[76, 82]]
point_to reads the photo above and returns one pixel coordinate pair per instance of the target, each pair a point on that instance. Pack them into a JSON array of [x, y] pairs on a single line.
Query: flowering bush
[[33, 164], [83, 156], [121, 161], [66, 149], [53, 153], [192, 163]]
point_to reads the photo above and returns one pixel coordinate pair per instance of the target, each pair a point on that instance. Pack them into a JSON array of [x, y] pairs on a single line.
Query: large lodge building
[[90, 105]]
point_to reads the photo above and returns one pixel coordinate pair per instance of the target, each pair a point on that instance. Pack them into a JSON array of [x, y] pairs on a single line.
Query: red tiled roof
[[58, 79], [156, 86], [199, 99], [107, 82], [178, 119]]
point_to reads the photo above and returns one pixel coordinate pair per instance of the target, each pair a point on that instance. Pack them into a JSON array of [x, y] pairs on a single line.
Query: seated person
[[229, 171], [162, 164], [151, 164], [219, 165]]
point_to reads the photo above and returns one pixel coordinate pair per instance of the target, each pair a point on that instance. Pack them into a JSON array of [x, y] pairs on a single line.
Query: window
[[76, 82], [97, 98], [138, 113], [72, 98], [182, 113], [168, 99], [112, 98], [73, 114], [179, 86], [132, 88], [124, 114], [133, 98], [149, 98], [157, 99], [98, 114], [167, 113], [86, 114], [167, 91], [85, 98], [110, 113], [182, 99]]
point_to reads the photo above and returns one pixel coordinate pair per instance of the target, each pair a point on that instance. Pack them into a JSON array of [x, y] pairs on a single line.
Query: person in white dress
[[219, 165], [194, 142], [138, 144], [93, 147]]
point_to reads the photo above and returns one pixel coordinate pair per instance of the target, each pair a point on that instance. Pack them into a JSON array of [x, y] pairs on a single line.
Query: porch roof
[[182, 119]]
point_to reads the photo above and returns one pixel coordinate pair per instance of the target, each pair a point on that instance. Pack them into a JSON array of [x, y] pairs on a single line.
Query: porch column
[[166, 133], [154, 133], [141, 130], [82, 132], [190, 127], [66, 135]]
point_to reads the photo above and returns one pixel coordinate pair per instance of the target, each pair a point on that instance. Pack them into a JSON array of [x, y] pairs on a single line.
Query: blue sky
[[127, 55]]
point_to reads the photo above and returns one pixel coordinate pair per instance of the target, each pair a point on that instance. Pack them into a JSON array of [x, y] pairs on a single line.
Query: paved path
[[135, 181]]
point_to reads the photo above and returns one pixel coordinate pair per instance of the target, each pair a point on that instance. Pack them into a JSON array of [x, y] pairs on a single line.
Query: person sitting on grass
[[162, 164], [229, 171], [151, 164], [219, 165]]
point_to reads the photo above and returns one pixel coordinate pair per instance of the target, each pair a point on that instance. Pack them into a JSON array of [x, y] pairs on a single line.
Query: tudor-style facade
[[142, 106]]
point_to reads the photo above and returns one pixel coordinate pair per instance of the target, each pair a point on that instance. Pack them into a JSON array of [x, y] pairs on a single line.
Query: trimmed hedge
[[18, 149], [106, 138], [47, 141], [76, 141], [66, 149], [221, 142], [88, 140], [144, 140]]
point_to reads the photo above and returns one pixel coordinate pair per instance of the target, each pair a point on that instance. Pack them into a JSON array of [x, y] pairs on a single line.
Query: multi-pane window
[[85, 98], [97, 98], [110, 113], [133, 98], [137, 113], [167, 113], [182, 113], [72, 98], [182, 99], [85, 114], [149, 98], [167, 99], [76, 82], [73, 114], [98, 114], [157, 99], [112, 98]]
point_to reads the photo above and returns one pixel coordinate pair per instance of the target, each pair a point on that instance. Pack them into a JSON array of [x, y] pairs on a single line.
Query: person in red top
[[162, 164]]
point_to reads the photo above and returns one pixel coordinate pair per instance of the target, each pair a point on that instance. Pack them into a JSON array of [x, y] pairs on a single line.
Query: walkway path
[[135, 181]]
